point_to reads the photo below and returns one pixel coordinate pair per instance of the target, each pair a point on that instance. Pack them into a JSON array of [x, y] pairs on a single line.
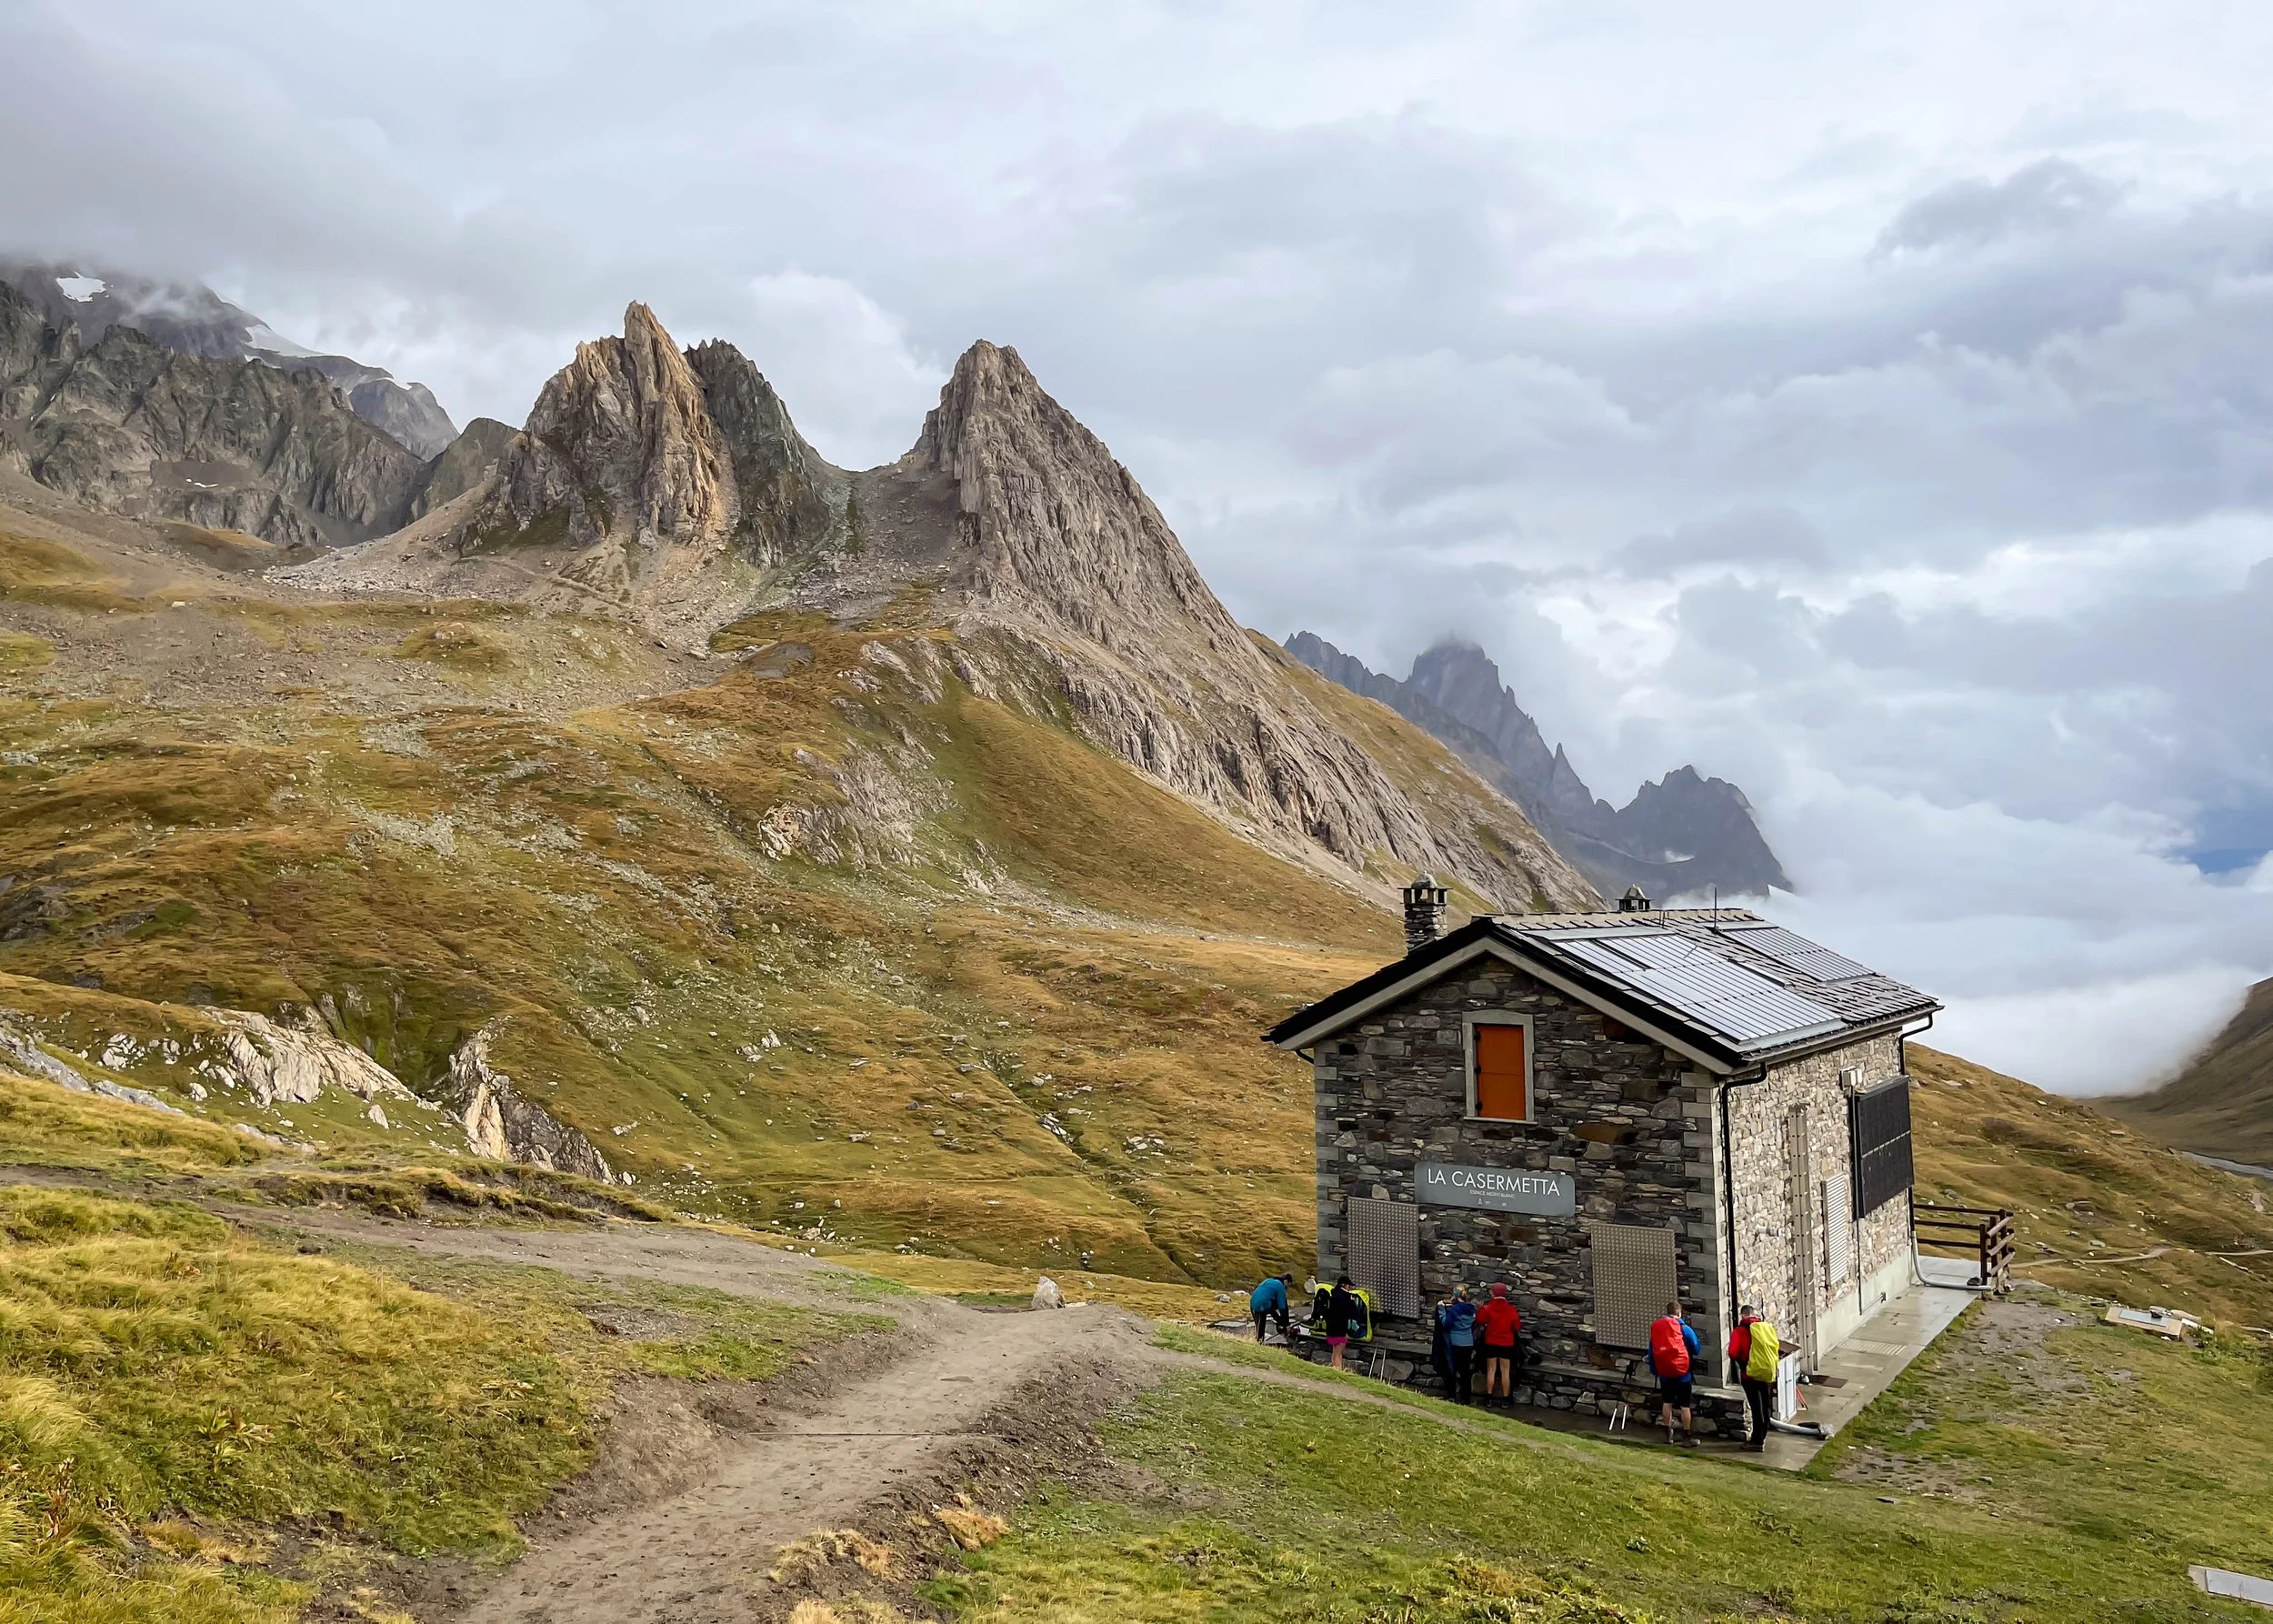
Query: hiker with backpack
[[1456, 1324], [1755, 1349], [1340, 1314], [1673, 1350], [1269, 1303], [1499, 1328]]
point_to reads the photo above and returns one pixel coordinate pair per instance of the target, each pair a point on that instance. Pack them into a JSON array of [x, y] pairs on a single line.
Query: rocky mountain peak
[[129, 426], [1683, 835], [620, 455], [1056, 529], [191, 319]]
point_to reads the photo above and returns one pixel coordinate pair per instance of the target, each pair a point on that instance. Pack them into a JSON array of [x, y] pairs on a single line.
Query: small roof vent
[[1634, 901]]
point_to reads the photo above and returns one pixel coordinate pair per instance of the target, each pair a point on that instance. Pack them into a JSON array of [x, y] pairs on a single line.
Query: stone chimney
[[1424, 913], [1633, 902]]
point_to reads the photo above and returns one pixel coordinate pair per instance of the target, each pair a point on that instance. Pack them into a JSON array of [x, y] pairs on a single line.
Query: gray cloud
[[2050, 195]]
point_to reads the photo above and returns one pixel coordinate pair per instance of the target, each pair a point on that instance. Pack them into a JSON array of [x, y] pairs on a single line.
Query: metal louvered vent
[[1743, 1006], [1838, 1230], [1880, 1124], [1385, 1254], [1816, 963], [1633, 1281]]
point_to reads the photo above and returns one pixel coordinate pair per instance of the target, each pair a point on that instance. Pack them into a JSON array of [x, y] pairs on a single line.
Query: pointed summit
[[620, 449], [1057, 528]]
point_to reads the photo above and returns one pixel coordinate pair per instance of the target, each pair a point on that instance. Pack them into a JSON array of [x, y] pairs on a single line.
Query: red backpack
[[1668, 1349]]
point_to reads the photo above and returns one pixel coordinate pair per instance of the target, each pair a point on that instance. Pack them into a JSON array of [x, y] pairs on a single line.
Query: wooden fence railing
[[1986, 1232]]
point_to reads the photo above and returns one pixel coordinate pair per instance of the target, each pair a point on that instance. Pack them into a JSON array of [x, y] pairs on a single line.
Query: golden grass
[[2100, 1208], [44, 1124], [167, 1385]]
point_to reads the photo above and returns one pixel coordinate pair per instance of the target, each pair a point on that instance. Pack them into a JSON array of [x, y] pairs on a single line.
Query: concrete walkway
[[1867, 1363]]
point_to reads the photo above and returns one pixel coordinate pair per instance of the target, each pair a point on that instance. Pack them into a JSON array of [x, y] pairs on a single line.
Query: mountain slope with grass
[[2221, 1103]]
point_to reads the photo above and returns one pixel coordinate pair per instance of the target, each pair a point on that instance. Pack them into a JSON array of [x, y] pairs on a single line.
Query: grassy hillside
[[198, 1428], [817, 939], [2222, 1103], [2101, 1209], [1226, 1500]]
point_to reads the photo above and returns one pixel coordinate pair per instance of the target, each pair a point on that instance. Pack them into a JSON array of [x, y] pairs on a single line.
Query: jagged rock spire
[[620, 447], [1057, 523]]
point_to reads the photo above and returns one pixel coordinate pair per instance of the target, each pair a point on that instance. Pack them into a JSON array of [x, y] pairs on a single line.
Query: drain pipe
[[1909, 1200], [1732, 1301]]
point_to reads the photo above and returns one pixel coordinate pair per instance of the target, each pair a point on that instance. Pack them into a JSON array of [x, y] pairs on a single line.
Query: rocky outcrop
[[296, 1064], [130, 426], [462, 466], [790, 504], [1682, 836], [195, 321], [621, 465], [504, 1126]]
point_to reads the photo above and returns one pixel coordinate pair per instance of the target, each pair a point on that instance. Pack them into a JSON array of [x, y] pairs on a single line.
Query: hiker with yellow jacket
[[1755, 1349]]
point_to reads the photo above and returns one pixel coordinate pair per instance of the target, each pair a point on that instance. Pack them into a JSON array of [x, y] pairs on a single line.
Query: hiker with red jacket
[[1498, 1334], [1673, 1350], [1755, 1349]]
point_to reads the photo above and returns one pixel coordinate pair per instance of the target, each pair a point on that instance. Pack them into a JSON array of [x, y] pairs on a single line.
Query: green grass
[[1281, 1504], [2087, 1429], [168, 1384]]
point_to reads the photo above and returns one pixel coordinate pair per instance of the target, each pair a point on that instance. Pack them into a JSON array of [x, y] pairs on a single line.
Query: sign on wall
[[1497, 1189]]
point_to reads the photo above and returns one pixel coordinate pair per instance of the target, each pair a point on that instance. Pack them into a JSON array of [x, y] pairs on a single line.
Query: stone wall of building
[[1784, 1256], [1629, 1117]]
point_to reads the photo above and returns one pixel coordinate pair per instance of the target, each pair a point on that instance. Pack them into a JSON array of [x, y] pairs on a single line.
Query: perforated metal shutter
[[1385, 1254], [1880, 1121], [1838, 1230], [1633, 1281]]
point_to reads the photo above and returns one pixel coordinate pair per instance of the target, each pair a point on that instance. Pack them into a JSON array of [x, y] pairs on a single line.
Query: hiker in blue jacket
[[1455, 1323], [1269, 1303]]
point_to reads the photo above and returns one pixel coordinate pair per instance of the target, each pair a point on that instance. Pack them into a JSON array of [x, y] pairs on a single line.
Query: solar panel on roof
[[1817, 962], [1741, 1005]]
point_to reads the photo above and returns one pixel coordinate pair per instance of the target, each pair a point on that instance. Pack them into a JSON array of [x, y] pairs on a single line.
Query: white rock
[[1046, 1295]]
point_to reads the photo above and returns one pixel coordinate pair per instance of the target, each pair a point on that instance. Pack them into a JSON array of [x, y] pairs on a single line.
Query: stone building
[[1607, 1110]]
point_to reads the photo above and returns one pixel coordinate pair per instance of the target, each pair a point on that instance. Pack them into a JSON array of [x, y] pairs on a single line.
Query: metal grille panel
[[1745, 1008], [1385, 1254], [1633, 1281], [1881, 1125]]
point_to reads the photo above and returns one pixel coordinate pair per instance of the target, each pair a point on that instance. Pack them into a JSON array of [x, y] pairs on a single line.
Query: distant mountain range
[[192, 320], [1682, 836]]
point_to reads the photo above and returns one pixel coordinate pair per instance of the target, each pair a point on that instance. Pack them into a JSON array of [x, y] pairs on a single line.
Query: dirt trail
[[695, 1557]]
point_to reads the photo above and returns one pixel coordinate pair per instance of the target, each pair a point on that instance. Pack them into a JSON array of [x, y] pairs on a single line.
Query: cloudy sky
[[1872, 405]]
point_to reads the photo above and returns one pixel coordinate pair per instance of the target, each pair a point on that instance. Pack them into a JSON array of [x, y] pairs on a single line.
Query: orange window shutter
[[1500, 1073]]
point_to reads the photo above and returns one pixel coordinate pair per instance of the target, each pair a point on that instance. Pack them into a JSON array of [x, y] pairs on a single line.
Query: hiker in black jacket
[[1339, 1315]]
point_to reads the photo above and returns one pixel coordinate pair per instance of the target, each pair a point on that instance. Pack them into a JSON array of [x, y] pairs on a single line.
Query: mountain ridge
[[1684, 834], [673, 487], [194, 320], [2221, 1102]]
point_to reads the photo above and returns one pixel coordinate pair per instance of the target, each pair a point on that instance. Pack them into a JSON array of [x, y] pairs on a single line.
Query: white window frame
[[1469, 1020]]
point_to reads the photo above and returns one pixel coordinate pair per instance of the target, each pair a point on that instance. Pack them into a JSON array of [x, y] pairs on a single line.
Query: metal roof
[[1747, 1009], [1725, 979]]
